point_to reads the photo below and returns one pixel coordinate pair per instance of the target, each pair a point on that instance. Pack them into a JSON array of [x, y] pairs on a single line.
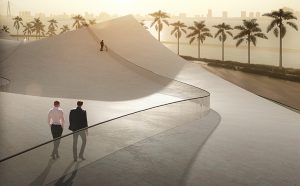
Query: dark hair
[[56, 103], [79, 103]]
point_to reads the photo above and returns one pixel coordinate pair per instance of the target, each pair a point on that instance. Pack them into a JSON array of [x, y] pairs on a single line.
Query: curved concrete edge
[[105, 139], [163, 159]]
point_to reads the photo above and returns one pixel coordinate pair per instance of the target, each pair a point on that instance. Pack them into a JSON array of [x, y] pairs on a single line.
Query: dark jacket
[[78, 119]]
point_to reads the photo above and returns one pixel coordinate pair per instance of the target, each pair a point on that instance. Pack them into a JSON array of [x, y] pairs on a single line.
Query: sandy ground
[[285, 92]]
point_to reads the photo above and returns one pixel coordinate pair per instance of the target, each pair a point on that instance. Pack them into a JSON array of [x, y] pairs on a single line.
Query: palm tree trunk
[[280, 43], [158, 35], [17, 34], [280, 47], [198, 48], [178, 45], [280, 53], [248, 51], [222, 50], [159, 30]]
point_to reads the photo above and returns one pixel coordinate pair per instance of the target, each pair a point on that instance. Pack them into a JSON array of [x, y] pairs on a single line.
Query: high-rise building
[[243, 14], [209, 14], [40, 15], [224, 14], [25, 14], [251, 14], [182, 16], [257, 14]]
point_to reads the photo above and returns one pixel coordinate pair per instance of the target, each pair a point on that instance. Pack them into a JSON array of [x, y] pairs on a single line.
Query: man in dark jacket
[[78, 121]]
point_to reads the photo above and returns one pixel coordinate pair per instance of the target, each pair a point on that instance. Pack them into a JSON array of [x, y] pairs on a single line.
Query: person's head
[[79, 103], [56, 103]]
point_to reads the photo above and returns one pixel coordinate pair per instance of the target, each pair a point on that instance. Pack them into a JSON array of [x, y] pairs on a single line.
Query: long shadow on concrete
[[164, 159]]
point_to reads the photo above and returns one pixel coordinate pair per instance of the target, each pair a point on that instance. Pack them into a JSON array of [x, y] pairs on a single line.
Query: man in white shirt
[[56, 121]]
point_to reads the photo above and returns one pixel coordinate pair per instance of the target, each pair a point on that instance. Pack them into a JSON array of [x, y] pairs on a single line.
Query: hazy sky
[[121, 7]]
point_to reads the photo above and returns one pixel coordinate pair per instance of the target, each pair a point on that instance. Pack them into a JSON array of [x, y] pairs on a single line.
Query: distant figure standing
[[102, 45], [78, 120], [56, 121]]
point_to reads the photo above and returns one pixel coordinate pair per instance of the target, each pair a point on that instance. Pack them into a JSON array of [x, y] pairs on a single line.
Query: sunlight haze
[[122, 7]]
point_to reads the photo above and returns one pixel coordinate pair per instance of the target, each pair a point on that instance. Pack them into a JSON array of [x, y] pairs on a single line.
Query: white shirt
[[56, 116]]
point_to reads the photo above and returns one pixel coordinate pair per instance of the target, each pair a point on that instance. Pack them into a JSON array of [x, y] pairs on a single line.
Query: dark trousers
[[82, 134], [56, 131]]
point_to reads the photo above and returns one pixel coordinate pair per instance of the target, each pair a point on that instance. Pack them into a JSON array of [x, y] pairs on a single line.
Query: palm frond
[[192, 39], [253, 40], [276, 32], [272, 25], [283, 31], [218, 32], [229, 33], [239, 42], [293, 25]]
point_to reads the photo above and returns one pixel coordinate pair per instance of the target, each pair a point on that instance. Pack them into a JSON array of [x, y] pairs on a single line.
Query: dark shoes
[[81, 157], [55, 156]]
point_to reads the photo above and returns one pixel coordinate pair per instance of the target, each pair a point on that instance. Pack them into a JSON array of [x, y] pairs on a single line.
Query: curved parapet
[[103, 139]]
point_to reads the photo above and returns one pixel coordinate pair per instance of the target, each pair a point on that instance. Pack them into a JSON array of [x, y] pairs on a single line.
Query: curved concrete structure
[[255, 142], [70, 67]]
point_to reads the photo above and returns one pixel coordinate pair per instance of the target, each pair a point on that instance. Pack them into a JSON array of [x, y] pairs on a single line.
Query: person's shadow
[[40, 180], [62, 181]]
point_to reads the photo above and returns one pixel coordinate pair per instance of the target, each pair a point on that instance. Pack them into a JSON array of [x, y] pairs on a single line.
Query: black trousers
[[82, 134], [56, 131]]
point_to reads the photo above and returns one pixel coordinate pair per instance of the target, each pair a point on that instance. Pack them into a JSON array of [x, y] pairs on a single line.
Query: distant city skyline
[[228, 8]]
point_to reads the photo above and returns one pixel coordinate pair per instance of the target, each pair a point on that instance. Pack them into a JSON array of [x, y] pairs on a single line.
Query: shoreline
[[290, 74], [282, 92]]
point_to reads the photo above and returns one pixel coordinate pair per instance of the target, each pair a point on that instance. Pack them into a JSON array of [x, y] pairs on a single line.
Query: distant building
[[209, 14], [197, 16], [243, 14], [224, 14], [88, 16], [251, 14], [25, 14], [257, 14], [40, 15], [103, 16], [182, 16]]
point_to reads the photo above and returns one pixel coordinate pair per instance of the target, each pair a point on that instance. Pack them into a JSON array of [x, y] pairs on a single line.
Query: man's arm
[[71, 118], [86, 123], [85, 119], [62, 119], [49, 117]]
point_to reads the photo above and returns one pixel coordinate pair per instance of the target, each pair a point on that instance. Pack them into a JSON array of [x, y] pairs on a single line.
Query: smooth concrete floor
[[155, 126], [164, 159], [256, 143]]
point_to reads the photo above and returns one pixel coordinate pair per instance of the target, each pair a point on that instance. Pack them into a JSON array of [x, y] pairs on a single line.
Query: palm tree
[[52, 27], [38, 27], [5, 28], [280, 18], [177, 31], [199, 32], [159, 18], [249, 32], [17, 21], [223, 31], [64, 29], [79, 21], [27, 30], [92, 22]]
